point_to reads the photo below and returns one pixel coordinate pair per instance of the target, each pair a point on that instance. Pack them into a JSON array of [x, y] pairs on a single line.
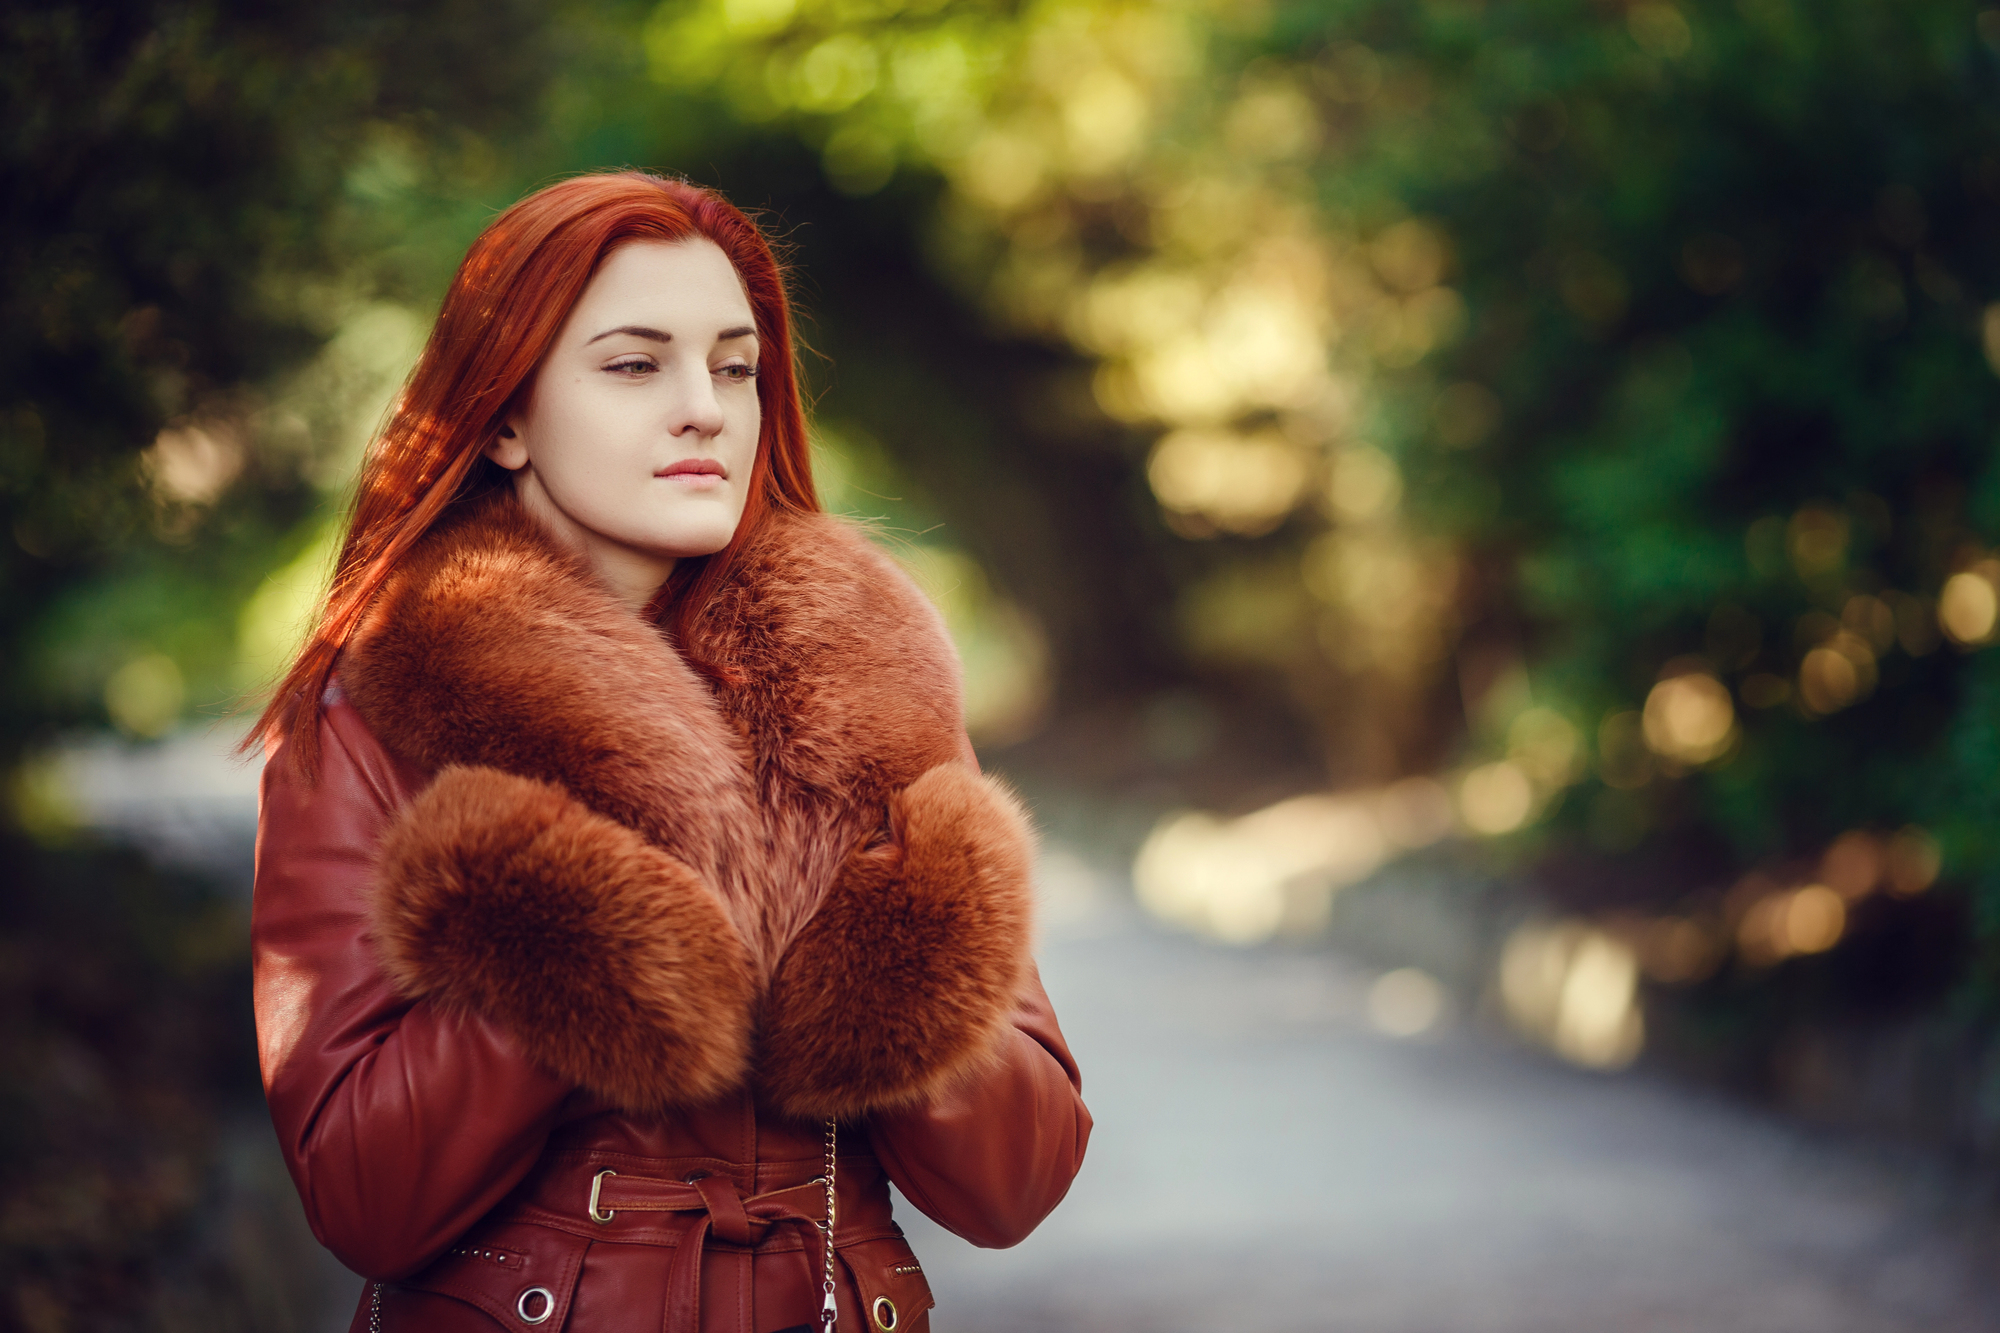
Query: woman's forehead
[[660, 284]]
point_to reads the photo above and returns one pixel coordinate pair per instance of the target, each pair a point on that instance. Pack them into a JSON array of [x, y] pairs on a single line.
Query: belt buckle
[[601, 1217]]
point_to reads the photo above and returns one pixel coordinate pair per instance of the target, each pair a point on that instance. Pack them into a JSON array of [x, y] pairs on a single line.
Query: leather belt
[[723, 1210]]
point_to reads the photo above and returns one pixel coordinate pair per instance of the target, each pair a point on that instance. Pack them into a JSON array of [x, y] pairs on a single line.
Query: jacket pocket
[[895, 1296], [520, 1274]]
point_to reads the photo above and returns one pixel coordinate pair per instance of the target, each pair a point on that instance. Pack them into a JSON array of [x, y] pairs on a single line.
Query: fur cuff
[[609, 961], [904, 979]]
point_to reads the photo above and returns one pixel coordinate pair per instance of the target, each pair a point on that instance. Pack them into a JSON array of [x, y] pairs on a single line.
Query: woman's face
[[637, 437]]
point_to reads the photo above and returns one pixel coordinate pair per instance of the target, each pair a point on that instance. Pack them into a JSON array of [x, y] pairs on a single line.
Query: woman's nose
[[696, 409]]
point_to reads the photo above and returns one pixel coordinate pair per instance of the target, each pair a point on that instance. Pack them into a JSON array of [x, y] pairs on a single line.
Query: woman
[[629, 908]]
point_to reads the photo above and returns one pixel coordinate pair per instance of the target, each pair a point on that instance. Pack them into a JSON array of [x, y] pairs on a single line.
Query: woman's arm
[[402, 1126], [992, 1156]]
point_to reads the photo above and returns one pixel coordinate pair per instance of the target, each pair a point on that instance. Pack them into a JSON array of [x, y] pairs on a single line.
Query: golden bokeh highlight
[[1574, 988], [1968, 607], [1805, 920], [193, 464], [1689, 718], [1853, 864], [1496, 798], [1839, 672], [1243, 484], [1243, 880]]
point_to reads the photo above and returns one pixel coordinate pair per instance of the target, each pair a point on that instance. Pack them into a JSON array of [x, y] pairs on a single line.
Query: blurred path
[[1264, 1161], [189, 801]]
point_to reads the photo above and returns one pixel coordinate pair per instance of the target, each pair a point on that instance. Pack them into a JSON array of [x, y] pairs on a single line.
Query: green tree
[[1727, 268]]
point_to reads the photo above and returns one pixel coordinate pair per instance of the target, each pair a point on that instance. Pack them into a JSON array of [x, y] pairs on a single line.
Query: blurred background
[[1473, 524]]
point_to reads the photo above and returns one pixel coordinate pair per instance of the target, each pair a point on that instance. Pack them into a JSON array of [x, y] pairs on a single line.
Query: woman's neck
[[632, 575]]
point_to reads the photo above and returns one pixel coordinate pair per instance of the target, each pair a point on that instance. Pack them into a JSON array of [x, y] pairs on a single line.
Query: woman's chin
[[694, 534]]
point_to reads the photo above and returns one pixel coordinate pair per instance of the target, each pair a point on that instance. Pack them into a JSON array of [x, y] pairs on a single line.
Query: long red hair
[[502, 312]]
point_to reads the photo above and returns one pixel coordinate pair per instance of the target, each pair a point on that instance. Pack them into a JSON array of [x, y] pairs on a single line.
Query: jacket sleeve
[[401, 1125], [992, 1156]]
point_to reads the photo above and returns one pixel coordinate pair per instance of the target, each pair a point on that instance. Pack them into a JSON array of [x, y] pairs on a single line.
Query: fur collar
[[500, 664]]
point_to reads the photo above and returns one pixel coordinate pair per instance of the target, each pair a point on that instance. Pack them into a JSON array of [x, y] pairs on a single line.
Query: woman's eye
[[632, 369], [737, 372]]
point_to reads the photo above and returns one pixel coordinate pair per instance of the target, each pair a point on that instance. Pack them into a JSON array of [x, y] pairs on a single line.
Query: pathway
[[1263, 1161]]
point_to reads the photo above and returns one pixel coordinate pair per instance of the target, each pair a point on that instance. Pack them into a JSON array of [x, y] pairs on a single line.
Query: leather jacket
[[488, 1171]]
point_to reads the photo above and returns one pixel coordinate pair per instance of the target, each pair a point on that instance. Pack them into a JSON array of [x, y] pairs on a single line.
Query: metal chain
[[828, 1312], [375, 1309]]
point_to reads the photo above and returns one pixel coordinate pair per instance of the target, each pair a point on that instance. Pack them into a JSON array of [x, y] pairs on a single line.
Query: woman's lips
[[698, 473]]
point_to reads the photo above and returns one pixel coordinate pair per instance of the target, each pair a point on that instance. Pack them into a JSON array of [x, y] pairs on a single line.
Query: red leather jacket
[[481, 1187]]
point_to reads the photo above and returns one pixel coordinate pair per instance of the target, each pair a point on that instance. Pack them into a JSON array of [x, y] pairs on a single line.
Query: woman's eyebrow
[[655, 335], [637, 331]]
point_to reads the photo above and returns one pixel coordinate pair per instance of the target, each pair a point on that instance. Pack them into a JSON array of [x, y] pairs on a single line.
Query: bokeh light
[[194, 464], [1240, 484], [1838, 673], [1574, 989], [1805, 920], [1853, 864], [1496, 798], [1243, 880], [1689, 718], [1406, 1002], [1969, 607]]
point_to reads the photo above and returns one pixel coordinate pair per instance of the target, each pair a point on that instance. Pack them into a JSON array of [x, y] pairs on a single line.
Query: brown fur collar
[[796, 874]]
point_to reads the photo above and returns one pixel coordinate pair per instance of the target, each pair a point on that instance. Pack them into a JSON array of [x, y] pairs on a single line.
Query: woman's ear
[[508, 449]]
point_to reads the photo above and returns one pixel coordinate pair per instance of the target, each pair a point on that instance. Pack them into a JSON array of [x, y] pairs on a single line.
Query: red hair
[[502, 312]]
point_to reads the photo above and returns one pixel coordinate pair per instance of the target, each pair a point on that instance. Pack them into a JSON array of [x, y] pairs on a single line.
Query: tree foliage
[[1727, 270]]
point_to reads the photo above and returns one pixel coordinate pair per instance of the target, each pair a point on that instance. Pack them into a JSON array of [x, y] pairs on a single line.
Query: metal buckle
[[548, 1305], [596, 1184], [884, 1311]]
